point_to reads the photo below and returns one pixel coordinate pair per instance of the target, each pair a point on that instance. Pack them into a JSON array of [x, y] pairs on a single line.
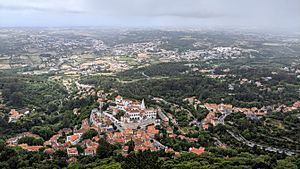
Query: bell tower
[[143, 107]]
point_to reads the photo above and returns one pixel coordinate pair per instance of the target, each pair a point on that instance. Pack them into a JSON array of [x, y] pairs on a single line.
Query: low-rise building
[[72, 152], [30, 148], [197, 151], [74, 139], [14, 116], [90, 150]]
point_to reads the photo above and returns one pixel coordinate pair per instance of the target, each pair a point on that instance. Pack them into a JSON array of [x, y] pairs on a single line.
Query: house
[[30, 148], [172, 136], [211, 107], [169, 130], [205, 126], [96, 138], [119, 99], [90, 150], [74, 139], [14, 116], [49, 151], [151, 130], [296, 104], [140, 148], [12, 141], [53, 141], [197, 151], [209, 119], [72, 152]]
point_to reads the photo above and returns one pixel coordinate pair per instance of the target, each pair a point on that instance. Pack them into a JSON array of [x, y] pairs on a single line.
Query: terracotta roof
[[152, 130], [140, 148], [205, 126], [14, 113], [96, 138], [49, 151], [297, 104], [90, 150], [74, 137], [72, 151], [119, 140], [119, 97], [29, 148], [197, 151]]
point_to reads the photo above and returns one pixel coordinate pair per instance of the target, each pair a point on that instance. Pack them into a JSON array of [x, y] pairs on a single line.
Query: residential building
[[197, 151], [74, 139], [72, 152]]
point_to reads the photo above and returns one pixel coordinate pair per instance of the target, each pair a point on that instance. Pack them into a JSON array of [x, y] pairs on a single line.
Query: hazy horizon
[[282, 15]]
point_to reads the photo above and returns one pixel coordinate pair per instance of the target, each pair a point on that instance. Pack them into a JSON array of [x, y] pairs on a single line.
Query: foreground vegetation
[[215, 158]]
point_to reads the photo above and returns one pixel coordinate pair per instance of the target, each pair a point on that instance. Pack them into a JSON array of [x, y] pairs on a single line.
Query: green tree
[[31, 141], [131, 146], [284, 164], [43, 131], [89, 134], [104, 149], [16, 99], [145, 160]]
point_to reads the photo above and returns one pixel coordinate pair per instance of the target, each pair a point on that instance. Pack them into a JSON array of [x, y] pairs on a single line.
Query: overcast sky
[[262, 14]]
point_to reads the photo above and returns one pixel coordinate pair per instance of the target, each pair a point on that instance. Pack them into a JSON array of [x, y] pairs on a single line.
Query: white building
[[134, 111]]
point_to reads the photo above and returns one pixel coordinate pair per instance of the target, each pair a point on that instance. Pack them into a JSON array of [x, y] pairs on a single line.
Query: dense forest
[[32, 92], [47, 102], [176, 81]]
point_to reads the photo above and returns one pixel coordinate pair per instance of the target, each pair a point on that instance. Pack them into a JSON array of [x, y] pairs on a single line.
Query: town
[[128, 120], [138, 124]]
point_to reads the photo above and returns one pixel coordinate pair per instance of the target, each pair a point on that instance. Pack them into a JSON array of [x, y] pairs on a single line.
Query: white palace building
[[134, 111]]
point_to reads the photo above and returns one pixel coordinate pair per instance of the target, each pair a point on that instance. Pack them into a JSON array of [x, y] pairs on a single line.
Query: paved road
[[240, 138], [158, 144], [221, 119], [148, 77]]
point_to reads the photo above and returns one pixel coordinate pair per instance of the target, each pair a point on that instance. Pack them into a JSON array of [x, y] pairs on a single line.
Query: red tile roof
[[197, 151], [29, 148], [72, 151]]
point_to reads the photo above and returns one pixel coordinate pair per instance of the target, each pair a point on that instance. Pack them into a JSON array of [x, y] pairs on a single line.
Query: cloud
[[37, 6], [37, 9], [195, 15], [265, 14], [153, 8]]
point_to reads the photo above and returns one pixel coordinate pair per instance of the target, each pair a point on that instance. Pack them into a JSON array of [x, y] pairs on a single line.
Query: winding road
[[240, 138]]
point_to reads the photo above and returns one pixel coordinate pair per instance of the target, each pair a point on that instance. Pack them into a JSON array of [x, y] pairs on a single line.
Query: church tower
[[143, 107]]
